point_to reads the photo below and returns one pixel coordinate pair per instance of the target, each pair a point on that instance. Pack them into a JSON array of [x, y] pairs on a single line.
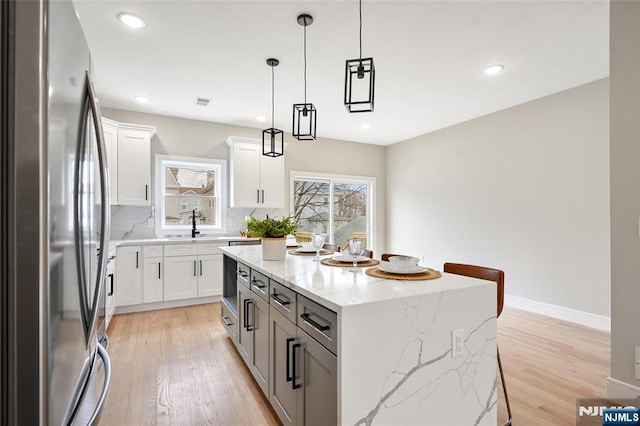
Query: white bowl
[[404, 262]]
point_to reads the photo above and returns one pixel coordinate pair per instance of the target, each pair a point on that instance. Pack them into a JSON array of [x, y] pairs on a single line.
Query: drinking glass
[[317, 241], [355, 249]]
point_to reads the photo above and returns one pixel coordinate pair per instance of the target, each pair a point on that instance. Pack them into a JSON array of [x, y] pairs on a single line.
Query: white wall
[[193, 138], [625, 197], [525, 190]]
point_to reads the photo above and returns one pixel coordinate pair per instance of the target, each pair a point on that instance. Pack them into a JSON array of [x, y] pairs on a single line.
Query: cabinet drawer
[[152, 251], [229, 321], [260, 285], [208, 248], [180, 250], [321, 323], [283, 299], [242, 274]]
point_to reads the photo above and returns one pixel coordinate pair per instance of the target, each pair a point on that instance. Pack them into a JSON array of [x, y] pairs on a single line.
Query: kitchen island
[[389, 340]]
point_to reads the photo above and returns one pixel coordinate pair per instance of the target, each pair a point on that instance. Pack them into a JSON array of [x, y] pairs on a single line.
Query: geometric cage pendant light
[[304, 114], [272, 138], [359, 80]]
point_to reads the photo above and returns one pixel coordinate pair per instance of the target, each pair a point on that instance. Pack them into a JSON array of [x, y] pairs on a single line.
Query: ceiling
[[429, 57]]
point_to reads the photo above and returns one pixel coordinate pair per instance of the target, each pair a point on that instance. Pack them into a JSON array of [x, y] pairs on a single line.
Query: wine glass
[[317, 241], [355, 249]]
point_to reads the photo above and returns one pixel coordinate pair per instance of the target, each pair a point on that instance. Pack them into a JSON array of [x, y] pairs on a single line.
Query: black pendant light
[[304, 115], [272, 138], [359, 80]]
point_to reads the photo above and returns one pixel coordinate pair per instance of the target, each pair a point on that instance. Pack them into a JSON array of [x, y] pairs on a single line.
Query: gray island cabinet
[[329, 346]]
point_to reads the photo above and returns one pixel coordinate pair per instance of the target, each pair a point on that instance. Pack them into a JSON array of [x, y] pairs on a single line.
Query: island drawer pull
[[226, 322], [277, 298], [307, 319], [289, 375], [255, 282], [247, 326], [295, 385]]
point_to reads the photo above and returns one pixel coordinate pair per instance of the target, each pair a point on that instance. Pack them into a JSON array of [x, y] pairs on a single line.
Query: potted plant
[[273, 233]]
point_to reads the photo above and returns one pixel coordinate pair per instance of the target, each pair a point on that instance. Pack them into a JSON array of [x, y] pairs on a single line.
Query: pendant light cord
[[360, 11], [305, 64], [272, 95]]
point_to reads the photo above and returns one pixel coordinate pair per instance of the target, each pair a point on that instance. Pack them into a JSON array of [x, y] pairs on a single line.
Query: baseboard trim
[[617, 389], [165, 305], [572, 315]]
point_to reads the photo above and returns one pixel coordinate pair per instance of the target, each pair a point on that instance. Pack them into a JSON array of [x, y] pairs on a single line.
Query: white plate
[[393, 269], [349, 258], [306, 250]]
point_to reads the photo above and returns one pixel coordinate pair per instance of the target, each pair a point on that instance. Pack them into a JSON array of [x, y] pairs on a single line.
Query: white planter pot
[[274, 248]]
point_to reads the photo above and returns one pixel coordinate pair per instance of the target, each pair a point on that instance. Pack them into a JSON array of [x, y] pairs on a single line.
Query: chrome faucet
[[194, 232]]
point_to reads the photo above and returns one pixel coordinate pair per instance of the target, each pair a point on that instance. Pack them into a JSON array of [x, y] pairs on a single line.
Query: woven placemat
[[429, 274], [323, 252], [331, 262]]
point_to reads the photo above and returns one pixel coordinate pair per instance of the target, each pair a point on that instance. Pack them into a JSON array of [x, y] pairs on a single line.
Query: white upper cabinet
[[129, 159], [256, 180]]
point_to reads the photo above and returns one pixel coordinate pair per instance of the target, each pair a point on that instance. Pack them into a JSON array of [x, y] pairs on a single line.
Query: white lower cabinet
[[181, 277], [162, 273], [153, 280], [192, 270], [210, 275], [129, 270]]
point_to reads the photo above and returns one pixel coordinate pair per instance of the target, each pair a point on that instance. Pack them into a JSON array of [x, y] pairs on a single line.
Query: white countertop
[[213, 239], [338, 288]]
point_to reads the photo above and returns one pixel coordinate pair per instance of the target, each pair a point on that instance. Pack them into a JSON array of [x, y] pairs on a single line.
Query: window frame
[[331, 178], [220, 194]]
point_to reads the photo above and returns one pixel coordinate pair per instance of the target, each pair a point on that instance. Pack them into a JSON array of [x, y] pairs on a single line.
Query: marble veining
[[401, 388]]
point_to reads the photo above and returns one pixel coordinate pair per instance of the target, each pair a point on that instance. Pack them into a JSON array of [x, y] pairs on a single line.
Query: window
[[187, 188], [340, 206]]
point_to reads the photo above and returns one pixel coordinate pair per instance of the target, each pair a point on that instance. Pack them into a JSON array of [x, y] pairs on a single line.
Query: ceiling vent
[[202, 101]]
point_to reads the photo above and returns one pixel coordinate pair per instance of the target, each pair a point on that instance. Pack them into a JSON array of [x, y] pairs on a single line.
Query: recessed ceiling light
[[261, 118], [131, 20], [365, 126], [141, 99], [493, 69]]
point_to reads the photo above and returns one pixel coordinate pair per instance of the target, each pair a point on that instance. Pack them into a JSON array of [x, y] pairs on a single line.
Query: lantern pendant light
[[359, 80], [304, 115], [272, 138]]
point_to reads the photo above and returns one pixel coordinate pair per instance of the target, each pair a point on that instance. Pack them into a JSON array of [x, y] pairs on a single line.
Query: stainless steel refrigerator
[[54, 220]]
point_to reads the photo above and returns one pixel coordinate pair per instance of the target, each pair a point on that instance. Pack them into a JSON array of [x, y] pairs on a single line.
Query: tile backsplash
[[131, 222]]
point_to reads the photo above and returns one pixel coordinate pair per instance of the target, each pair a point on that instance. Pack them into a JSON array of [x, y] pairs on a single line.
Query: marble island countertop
[[338, 287]]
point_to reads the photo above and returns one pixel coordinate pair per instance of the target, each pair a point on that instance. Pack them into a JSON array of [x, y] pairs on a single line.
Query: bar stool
[[497, 276]]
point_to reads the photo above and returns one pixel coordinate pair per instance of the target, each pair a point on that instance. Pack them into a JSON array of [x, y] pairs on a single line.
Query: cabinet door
[[134, 167], [260, 350], [210, 275], [129, 269], [109, 297], [317, 371], [272, 182], [180, 277], [152, 282], [245, 334], [281, 393], [111, 146], [245, 175]]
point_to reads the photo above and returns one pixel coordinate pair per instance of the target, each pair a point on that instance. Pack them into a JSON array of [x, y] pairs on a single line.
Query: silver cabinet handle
[[258, 196], [194, 268], [263, 196]]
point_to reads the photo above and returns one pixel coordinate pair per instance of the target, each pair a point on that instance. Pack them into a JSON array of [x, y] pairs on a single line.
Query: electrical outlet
[[150, 222], [638, 363], [457, 342]]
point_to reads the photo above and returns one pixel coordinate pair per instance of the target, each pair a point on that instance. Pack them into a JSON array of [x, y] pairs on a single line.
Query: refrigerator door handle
[[107, 382], [105, 206]]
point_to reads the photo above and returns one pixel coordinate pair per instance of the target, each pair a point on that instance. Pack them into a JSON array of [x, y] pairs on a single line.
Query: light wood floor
[[176, 366]]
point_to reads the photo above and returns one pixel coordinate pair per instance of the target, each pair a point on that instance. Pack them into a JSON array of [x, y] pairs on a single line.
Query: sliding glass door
[[338, 207]]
